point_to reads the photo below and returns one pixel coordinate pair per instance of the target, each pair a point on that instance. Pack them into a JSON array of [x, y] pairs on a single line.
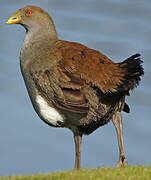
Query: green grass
[[127, 173]]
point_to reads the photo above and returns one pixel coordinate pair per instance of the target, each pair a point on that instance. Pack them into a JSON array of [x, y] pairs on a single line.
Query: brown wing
[[90, 65], [64, 70], [60, 88], [75, 100]]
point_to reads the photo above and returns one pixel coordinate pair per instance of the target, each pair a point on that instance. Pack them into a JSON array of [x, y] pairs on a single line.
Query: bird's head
[[31, 17]]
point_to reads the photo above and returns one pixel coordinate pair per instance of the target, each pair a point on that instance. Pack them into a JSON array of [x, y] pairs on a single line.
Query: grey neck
[[37, 38], [39, 34]]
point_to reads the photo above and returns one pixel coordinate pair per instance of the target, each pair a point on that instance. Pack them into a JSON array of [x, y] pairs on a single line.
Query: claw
[[122, 162]]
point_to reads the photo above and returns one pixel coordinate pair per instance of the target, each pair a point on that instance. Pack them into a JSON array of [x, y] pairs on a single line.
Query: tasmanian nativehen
[[71, 85]]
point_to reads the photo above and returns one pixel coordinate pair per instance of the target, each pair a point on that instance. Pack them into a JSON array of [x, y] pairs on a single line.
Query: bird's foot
[[76, 168], [122, 161]]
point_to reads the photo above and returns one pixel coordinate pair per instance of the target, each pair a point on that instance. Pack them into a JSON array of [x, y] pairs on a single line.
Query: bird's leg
[[78, 144], [117, 121]]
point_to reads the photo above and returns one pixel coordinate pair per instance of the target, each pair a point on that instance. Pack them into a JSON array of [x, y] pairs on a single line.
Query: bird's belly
[[48, 114]]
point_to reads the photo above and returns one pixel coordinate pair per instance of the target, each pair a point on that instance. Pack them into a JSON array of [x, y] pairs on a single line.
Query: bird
[[73, 86]]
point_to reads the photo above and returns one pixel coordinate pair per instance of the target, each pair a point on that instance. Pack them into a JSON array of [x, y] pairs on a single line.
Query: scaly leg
[[78, 144], [117, 121]]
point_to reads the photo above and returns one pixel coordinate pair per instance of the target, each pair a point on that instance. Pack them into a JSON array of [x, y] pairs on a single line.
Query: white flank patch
[[48, 113]]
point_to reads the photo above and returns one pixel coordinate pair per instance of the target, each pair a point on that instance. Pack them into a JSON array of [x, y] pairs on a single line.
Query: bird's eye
[[28, 12]]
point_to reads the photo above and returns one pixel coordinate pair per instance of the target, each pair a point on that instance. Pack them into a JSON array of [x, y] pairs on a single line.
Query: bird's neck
[[39, 35], [37, 38]]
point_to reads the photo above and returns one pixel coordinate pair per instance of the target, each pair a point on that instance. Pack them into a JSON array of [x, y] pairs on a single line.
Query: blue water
[[116, 28]]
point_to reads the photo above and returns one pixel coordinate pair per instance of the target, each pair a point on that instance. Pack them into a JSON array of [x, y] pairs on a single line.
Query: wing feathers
[[70, 67]]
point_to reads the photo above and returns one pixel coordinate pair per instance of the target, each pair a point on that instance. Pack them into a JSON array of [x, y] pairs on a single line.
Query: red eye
[[29, 12]]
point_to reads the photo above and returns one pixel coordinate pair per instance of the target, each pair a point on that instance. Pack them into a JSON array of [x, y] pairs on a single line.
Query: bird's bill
[[15, 19]]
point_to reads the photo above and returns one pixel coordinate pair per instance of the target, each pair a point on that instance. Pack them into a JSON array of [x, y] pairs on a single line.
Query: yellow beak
[[15, 19]]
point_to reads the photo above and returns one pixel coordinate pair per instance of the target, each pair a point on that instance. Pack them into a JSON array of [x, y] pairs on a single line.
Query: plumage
[[80, 88]]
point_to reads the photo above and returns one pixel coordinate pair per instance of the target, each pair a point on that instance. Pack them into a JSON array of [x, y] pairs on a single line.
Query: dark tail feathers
[[133, 71]]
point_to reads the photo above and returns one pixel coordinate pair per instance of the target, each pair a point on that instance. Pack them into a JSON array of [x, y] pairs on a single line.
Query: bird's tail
[[133, 71]]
